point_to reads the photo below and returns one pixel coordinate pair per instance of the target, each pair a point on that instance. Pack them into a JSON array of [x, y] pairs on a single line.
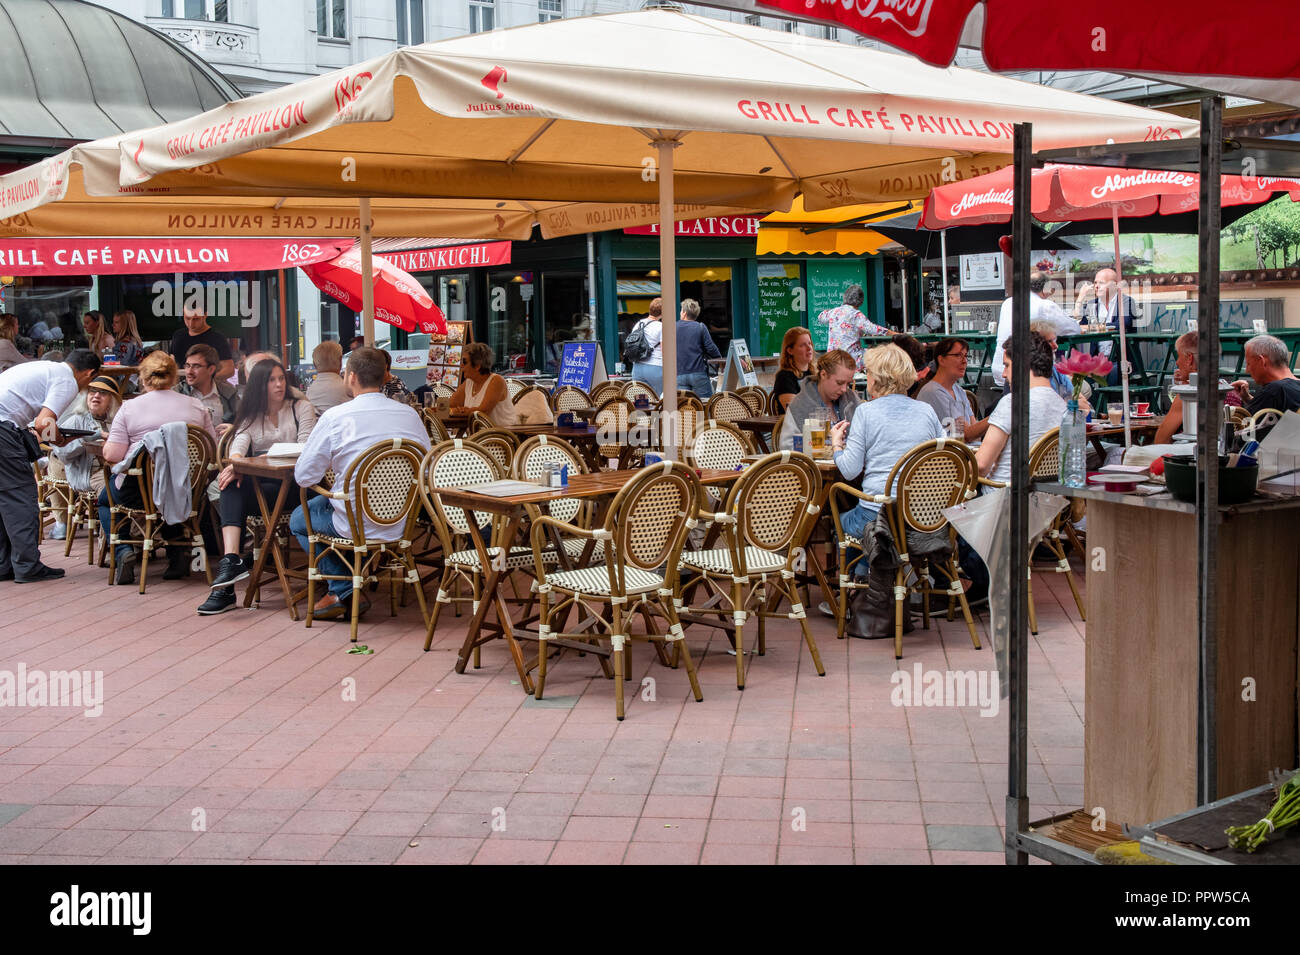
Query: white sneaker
[[826, 608], [59, 532]]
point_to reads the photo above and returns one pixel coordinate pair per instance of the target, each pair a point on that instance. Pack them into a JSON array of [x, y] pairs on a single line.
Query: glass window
[[564, 314], [167, 9], [331, 19], [548, 10], [482, 15], [217, 10], [710, 285], [512, 303], [410, 22], [636, 288]]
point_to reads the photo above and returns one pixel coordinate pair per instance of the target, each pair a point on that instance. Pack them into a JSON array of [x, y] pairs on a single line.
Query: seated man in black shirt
[[1269, 363], [197, 331]]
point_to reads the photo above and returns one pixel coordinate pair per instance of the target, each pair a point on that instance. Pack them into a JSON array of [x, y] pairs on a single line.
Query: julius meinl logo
[[75, 908], [244, 299], [24, 687]]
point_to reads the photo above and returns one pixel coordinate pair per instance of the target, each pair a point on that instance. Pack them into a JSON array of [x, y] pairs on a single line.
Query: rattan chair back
[[613, 420], [637, 389], [442, 390], [1045, 456], [755, 397], [478, 421], [530, 464], [569, 398], [689, 399], [604, 390], [454, 464], [499, 443], [770, 502], [647, 520], [513, 387], [718, 444], [433, 425], [727, 406], [383, 486], [932, 476]]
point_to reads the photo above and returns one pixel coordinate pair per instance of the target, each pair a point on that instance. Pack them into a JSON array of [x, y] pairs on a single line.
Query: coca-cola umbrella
[[400, 300], [1064, 193]]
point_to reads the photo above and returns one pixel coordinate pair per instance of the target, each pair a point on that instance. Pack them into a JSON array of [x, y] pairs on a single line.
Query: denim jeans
[[129, 495], [702, 385], [855, 524], [652, 375], [322, 521]]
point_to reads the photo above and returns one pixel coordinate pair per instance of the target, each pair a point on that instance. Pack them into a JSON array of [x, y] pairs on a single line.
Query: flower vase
[[1074, 447]]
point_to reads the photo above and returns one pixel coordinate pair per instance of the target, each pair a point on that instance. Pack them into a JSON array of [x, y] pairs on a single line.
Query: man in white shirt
[[1041, 308], [1106, 309], [32, 395], [342, 434]]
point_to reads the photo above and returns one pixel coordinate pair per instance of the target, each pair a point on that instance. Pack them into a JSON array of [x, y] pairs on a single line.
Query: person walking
[[32, 395], [694, 346], [648, 362]]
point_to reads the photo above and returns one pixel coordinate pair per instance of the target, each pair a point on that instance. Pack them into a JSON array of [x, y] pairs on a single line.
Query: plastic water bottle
[[1074, 447]]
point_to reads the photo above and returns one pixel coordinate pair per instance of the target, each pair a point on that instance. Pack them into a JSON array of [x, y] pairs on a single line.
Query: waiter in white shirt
[[342, 434], [1041, 308], [32, 396]]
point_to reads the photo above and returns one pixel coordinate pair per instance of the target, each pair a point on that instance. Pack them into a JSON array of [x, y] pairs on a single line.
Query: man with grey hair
[[327, 390], [848, 325], [1269, 363], [695, 345]]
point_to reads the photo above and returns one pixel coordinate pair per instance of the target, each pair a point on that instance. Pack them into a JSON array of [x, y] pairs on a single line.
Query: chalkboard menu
[[780, 304], [582, 365], [826, 284]]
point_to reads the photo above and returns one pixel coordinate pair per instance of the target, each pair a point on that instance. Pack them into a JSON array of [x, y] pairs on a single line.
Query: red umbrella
[[400, 300], [1062, 193], [1113, 36]]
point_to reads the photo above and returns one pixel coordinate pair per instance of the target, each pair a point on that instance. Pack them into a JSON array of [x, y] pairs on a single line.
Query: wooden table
[[119, 371], [580, 434], [516, 508], [1143, 431], [758, 426], [272, 469]]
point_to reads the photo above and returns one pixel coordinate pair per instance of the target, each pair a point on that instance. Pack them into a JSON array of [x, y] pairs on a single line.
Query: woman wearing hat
[[73, 462]]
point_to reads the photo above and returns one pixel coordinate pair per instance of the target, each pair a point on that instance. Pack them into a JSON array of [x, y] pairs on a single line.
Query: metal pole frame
[[1017, 808], [1208, 408]]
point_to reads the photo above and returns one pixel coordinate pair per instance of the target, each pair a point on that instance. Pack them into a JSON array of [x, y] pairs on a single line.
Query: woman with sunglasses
[[944, 393], [480, 390]]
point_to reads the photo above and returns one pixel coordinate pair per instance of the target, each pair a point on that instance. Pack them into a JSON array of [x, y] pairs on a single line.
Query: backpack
[[636, 347]]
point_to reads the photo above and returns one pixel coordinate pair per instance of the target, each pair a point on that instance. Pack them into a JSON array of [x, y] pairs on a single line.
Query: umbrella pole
[[1123, 339], [367, 277], [943, 287], [668, 292]]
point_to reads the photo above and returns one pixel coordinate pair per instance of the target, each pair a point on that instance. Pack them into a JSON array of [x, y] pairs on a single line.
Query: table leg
[[492, 598], [760, 437], [270, 518]]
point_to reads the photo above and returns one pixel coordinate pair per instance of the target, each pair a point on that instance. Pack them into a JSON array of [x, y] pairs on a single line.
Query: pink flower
[[1079, 363]]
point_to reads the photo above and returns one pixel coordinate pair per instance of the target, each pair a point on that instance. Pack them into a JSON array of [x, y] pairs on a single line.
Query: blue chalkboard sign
[[582, 365]]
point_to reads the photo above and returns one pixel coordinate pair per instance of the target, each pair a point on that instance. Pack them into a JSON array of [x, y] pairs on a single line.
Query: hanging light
[[652, 274]]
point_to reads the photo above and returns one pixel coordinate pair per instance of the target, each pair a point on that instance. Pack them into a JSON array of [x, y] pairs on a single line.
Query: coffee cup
[[1116, 415], [1141, 407]]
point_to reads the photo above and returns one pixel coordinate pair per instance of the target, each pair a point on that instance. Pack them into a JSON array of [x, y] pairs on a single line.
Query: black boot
[[178, 562]]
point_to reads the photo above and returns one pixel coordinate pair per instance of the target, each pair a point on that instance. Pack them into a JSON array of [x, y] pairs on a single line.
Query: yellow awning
[[783, 233]]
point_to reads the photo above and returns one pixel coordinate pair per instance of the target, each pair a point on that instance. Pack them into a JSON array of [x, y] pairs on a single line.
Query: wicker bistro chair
[[932, 476], [690, 420], [434, 427], [643, 533], [478, 421], [380, 487], [614, 421], [637, 389], [530, 463], [441, 390], [718, 444], [513, 388], [764, 515], [755, 397], [569, 398], [1045, 462], [499, 443], [146, 520], [727, 406], [605, 390]]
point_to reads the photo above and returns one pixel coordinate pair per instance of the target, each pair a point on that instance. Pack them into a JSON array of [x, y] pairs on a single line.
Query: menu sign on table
[[740, 369], [444, 354], [826, 284], [780, 304], [582, 365]]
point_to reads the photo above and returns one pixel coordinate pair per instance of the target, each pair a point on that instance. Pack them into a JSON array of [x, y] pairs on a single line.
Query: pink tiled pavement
[[248, 738]]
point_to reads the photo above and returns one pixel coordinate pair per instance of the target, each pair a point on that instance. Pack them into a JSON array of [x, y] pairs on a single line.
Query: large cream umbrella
[[632, 108]]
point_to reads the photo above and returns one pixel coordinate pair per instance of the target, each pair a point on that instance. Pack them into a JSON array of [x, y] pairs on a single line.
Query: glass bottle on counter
[[1074, 447]]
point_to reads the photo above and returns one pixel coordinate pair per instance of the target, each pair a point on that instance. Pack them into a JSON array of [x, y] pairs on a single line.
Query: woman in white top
[[480, 390], [651, 370], [267, 415]]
